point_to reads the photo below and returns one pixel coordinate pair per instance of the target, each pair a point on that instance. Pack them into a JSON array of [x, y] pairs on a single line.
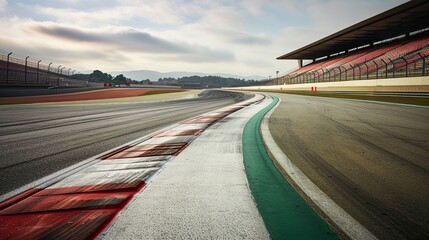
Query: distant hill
[[154, 75]]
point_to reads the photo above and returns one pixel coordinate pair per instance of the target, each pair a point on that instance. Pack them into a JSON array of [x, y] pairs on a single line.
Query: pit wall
[[414, 84]]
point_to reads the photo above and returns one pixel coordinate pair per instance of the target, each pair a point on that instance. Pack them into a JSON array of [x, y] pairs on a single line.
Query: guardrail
[[24, 72]]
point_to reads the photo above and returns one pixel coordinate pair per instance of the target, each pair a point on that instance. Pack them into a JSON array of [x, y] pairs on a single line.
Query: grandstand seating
[[368, 61]]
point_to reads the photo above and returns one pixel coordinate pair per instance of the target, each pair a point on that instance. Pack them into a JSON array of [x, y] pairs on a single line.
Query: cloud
[[132, 40], [242, 37], [122, 38], [221, 15], [3, 4], [238, 37], [159, 12]]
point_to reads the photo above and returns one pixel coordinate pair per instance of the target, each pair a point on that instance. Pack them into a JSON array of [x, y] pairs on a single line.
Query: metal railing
[[411, 65], [16, 71]]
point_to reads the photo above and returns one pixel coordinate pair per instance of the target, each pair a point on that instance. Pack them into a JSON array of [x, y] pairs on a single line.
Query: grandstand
[[393, 44]]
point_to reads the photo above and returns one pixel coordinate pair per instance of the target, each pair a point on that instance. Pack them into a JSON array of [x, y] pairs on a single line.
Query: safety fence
[[23, 72], [410, 65]]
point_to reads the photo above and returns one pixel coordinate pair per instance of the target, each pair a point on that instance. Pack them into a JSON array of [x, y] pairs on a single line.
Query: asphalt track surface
[[370, 158], [39, 139]]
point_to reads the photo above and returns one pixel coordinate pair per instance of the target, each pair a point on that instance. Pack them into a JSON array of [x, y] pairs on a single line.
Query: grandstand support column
[[323, 75], [393, 67], [367, 72], [360, 72], [38, 67], [385, 64], [300, 63], [353, 69], [329, 75], [7, 67], [345, 72], [376, 73], [406, 66], [423, 64], [340, 72]]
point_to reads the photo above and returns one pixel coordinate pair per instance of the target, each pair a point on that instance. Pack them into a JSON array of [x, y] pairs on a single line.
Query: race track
[[370, 158], [39, 139]]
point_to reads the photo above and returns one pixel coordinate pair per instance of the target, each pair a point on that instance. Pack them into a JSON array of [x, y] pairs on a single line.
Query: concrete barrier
[[414, 84]]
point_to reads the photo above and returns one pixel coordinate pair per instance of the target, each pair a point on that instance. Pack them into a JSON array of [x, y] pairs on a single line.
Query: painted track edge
[[337, 216]]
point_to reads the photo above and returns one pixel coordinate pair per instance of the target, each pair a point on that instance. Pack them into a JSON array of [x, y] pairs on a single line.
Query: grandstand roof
[[406, 18]]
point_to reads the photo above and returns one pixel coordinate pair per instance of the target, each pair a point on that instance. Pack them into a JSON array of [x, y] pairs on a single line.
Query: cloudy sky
[[240, 37]]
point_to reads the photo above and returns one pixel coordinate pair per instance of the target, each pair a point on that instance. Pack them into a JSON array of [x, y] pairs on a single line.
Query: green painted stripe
[[284, 211]]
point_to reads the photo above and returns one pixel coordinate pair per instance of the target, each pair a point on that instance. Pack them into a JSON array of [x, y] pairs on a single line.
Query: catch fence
[[16, 72]]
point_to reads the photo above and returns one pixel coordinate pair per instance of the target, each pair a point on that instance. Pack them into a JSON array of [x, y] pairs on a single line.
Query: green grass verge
[[285, 213]]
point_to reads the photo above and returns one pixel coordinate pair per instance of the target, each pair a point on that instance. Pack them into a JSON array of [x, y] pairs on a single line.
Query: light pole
[[38, 65], [277, 77], [58, 71], [49, 74], [68, 72], [59, 76], [25, 73], [7, 67]]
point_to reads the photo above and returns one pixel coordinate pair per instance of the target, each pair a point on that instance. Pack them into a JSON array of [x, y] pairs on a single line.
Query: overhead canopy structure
[[403, 19]]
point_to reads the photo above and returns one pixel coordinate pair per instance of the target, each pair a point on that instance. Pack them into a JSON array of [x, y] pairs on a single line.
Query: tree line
[[100, 77], [191, 81], [210, 81]]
